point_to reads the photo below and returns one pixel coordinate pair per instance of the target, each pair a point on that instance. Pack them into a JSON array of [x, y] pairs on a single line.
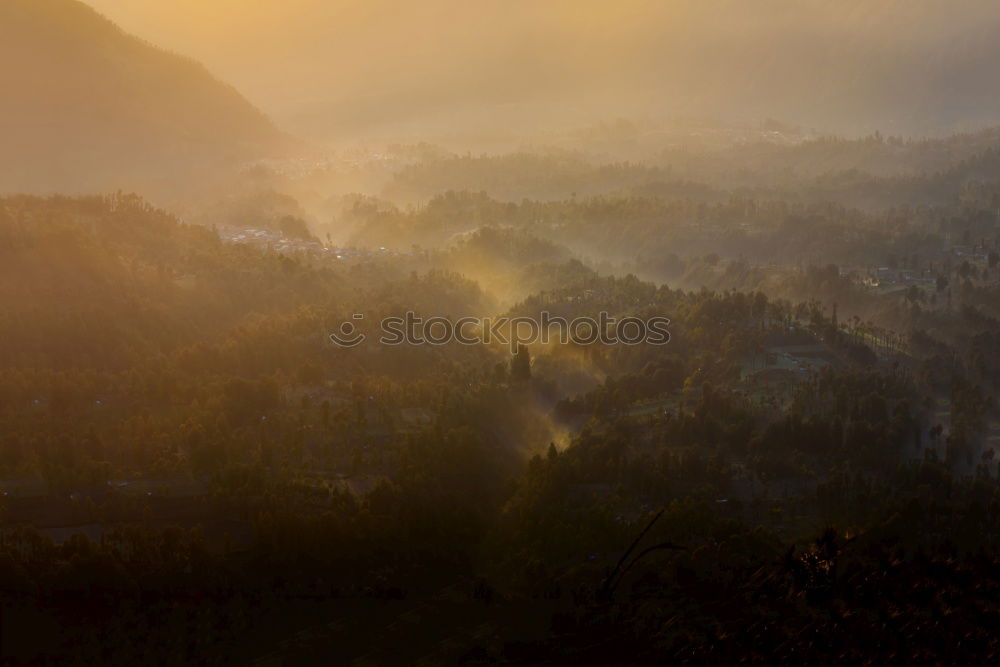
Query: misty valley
[[491, 384]]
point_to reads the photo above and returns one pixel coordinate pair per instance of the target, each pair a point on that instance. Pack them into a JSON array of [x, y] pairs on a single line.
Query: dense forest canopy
[[522, 368]]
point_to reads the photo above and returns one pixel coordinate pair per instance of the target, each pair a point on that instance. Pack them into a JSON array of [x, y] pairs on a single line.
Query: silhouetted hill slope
[[87, 106]]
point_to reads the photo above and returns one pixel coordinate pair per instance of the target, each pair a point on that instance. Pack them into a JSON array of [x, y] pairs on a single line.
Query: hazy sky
[[326, 66]]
